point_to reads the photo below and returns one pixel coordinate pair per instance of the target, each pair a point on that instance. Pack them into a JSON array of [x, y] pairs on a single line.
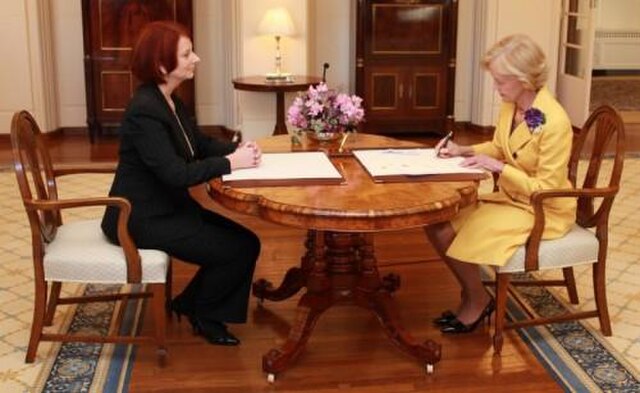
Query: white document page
[[393, 162], [284, 166]]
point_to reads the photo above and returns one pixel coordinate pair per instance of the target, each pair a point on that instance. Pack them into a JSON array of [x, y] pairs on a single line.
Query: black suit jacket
[[156, 168]]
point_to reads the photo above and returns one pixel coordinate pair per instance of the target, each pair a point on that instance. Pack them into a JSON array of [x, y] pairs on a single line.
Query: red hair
[[157, 46]]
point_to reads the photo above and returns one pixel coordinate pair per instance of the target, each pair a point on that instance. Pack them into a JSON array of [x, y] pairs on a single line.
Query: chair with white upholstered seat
[[78, 251], [602, 135]]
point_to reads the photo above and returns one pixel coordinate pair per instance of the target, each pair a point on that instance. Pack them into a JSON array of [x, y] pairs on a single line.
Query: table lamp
[[277, 22]]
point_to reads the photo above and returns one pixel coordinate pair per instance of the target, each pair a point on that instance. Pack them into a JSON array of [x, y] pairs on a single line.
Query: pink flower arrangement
[[324, 110]]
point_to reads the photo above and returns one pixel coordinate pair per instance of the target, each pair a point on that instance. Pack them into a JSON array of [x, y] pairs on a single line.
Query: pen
[[344, 140], [236, 136], [404, 152], [446, 140]]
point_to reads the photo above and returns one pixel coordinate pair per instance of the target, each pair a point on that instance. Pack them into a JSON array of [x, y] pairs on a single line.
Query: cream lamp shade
[[277, 22]]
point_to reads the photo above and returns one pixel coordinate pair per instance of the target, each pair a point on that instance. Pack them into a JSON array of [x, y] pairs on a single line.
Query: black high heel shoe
[[445, 318], [455, 326], [214, 332]]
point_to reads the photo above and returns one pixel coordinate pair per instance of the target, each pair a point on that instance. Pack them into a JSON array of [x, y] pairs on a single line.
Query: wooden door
[[405, 64], [110, 30]]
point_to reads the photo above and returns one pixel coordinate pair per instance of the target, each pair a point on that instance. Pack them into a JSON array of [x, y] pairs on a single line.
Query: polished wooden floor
[[347, 350]]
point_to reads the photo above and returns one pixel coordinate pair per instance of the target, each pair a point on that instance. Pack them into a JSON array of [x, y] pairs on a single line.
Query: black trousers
[[226, 253]]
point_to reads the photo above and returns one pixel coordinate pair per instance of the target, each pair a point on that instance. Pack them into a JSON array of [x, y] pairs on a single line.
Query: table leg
[[342, 267], [294, 280], [375, 295], [280, 127]]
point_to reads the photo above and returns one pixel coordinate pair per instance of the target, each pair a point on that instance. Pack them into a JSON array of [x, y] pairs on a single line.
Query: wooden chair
[[78, 251], [580, 246]]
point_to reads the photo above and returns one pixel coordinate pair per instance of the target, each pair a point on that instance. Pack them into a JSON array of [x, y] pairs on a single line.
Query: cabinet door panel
[[428, 95], [396, 27], [384, 87], [117, 88]]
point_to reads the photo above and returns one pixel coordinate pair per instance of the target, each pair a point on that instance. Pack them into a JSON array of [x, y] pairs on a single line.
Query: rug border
[[563, 360], [50, 357]]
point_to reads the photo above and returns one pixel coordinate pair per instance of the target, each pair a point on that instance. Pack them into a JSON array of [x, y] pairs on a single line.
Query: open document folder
[[399, 164], [287, 169]]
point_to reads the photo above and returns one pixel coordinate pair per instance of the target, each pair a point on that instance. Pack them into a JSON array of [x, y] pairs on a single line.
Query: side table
[[260, 84]]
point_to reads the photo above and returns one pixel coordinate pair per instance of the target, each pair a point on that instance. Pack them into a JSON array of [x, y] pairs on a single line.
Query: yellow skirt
[[489, 233]]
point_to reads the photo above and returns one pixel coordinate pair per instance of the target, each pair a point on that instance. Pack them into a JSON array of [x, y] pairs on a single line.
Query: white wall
[[333, 41], [618, 15], [466, 60], [210, 74], [25, 72], [66, 17]]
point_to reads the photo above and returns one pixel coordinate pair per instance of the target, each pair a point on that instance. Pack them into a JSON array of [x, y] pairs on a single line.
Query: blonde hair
[[518, 55]]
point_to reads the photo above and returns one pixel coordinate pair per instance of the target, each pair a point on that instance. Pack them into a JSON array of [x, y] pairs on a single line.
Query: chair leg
[[167, 288], [600, 293], [159, 319], [502, 286], [40, 300], [56, 287], [570, 283]]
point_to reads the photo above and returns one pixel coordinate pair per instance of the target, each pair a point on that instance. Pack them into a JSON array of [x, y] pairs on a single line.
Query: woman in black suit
[[162, 154]]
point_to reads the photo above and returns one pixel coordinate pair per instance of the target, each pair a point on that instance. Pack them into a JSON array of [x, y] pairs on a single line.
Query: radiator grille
[[618, 34]]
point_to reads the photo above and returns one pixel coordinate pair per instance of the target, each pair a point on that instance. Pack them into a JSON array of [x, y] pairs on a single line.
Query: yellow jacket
[[534, 161]]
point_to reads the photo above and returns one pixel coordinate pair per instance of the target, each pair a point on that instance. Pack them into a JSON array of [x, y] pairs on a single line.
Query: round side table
[[260, 84]]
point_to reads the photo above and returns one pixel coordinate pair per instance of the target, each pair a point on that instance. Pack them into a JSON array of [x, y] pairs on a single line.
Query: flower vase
[[324, 138]]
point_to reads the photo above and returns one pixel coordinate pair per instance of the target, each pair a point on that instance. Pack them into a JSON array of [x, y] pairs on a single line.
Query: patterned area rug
[[575, 353], [623, 93], [80, 367]]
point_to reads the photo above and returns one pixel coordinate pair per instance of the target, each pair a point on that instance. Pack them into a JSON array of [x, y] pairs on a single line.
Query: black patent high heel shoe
[[445, 318], [214, 332], [455, 326]]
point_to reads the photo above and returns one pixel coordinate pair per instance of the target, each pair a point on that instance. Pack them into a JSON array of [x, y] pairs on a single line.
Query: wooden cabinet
[[405, 65], [110, 28]]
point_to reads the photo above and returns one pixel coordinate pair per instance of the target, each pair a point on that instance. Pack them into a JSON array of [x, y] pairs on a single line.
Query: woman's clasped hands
[[247, 155]]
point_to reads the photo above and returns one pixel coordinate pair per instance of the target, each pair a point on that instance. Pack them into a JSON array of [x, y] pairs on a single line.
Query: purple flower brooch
[[534, 119]]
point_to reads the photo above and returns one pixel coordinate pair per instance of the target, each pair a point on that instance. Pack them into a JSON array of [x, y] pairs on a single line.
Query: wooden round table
[[260, 84], [339, 264]]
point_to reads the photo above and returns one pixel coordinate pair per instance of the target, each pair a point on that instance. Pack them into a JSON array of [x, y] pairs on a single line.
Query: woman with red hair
[[162, 153]]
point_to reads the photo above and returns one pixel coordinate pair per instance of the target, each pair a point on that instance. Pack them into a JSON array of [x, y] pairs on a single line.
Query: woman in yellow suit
[[530, 150]]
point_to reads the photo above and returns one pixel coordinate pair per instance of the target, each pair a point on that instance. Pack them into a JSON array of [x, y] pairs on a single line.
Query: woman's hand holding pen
[[447, 148], [483, 162], [247, 155]]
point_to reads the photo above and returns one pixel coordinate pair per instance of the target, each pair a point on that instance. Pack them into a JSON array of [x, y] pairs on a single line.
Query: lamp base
[[279, 77]]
